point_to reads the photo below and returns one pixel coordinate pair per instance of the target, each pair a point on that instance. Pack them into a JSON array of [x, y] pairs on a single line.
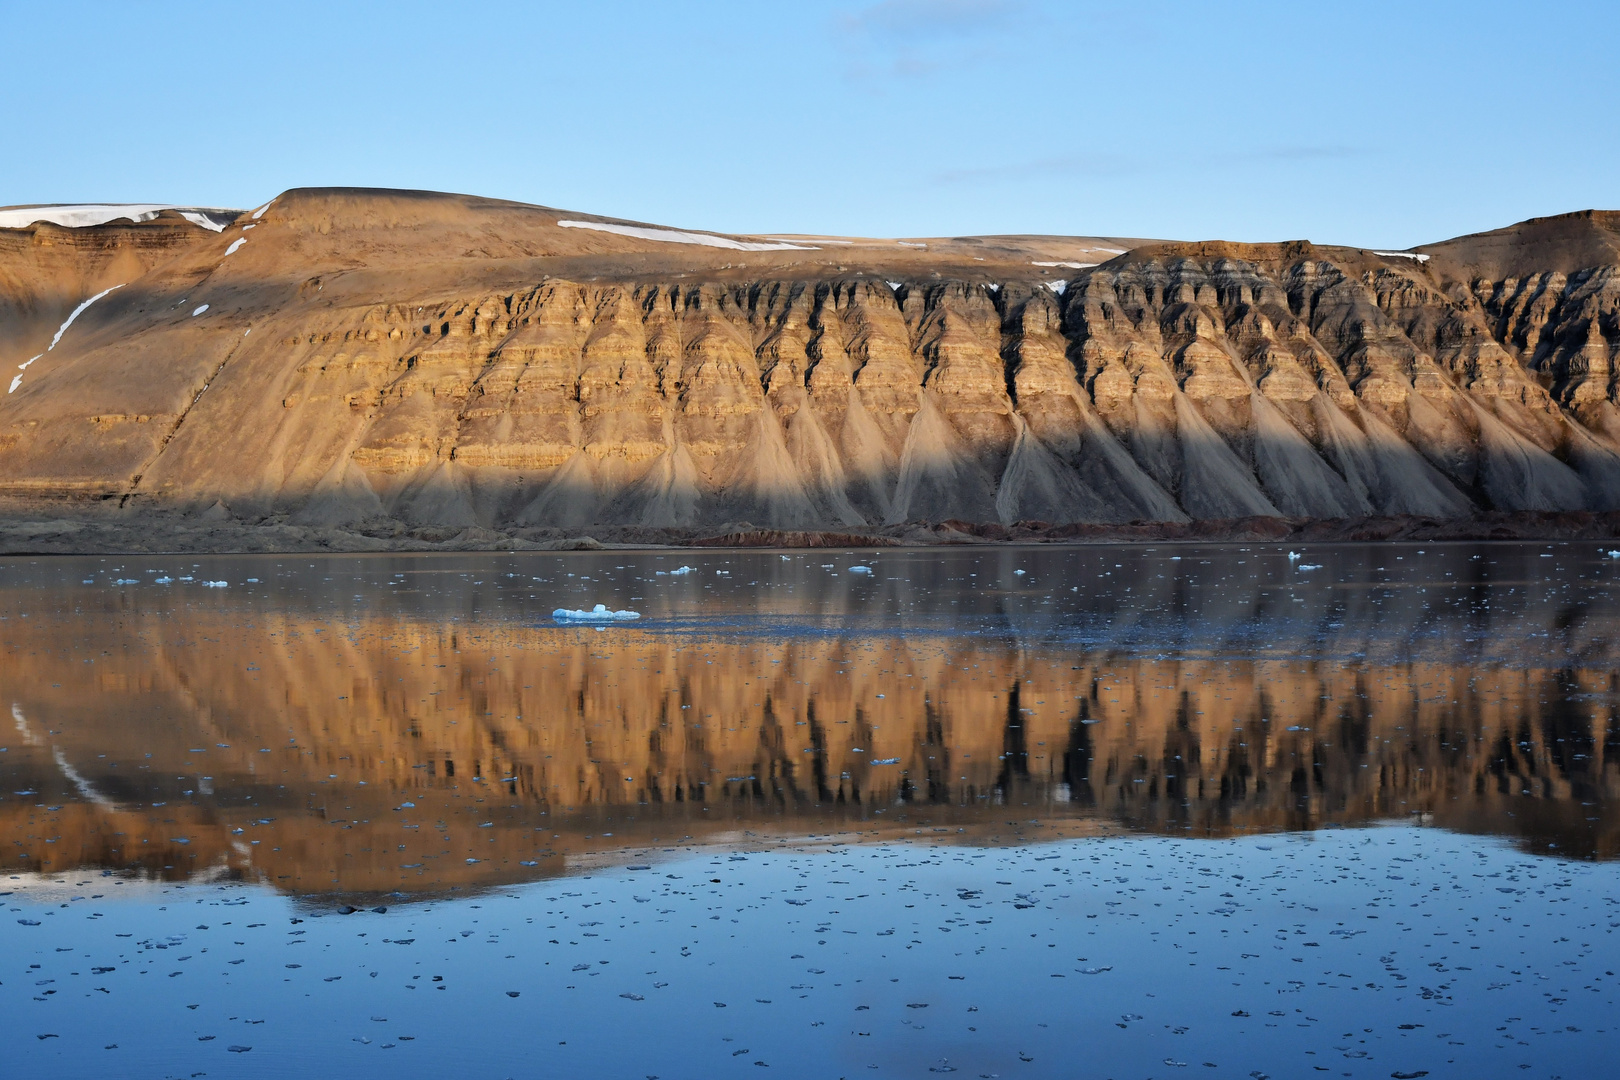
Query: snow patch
[[1070, 265], [257, 214], [84, 215], [895, 285], [76, 313], [600, 613], [675, 236], [24, 365], [1056, 286], [238, 242], [213, 221], [198, 310], [60, 330], [1402, 255], [1111, 251], [908, 243]]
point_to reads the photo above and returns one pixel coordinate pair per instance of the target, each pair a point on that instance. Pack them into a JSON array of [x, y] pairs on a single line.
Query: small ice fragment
[[127, 581], [1614, 554], [198, 310], [860, 569], [1293, 556], [1020, 573], [1310, 566], [680, 570], [216, 584], [884, 761], [162, 580], [600, 613]]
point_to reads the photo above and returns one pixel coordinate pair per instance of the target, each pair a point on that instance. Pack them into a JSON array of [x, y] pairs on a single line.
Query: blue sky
[[1368, 123]]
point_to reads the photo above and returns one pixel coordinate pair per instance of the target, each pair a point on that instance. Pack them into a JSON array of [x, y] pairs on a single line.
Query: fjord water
[[1111, 811]]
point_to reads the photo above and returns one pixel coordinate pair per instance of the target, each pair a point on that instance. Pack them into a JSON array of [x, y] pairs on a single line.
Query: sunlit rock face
[[384, 362]]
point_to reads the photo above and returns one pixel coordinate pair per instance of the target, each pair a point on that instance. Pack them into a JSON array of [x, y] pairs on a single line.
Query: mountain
[[364, 369]]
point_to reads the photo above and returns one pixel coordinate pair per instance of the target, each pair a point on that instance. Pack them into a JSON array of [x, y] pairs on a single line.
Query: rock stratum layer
[[389, 368]]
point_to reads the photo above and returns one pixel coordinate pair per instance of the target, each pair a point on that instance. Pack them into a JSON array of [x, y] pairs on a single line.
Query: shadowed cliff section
[[355, 368]]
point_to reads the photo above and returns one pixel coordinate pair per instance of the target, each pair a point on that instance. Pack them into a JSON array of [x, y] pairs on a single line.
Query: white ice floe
[[1293, 556], [238, 242], [1070, 265], [1020, 573], [216, 584], [84, 215], [1614, 554], [1402, 255], [198, 310], [600, 613], [1311, 566], [60, 330], [1056, 286], [675, 236], [677, 572], [860, 569]]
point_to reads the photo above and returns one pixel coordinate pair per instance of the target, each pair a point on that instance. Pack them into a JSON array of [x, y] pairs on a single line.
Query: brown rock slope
[[392, 365]]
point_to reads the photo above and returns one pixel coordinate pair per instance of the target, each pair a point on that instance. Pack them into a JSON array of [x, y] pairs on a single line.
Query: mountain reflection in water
[[455, 740]]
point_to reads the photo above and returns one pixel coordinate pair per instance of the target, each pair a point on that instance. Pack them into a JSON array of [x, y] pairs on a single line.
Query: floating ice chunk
[[198, 310], [1402, 255], [127, 581], [1311, 566], [238, 242], [860, 569], [884, 761], [677, 572], [1614, 554], [600, 613], [162, 580], [216, 584], [675, 236], [1293, 556], [1020, 573]]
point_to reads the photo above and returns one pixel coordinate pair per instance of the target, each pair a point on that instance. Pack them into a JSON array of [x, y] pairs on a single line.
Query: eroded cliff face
[[387, 362]]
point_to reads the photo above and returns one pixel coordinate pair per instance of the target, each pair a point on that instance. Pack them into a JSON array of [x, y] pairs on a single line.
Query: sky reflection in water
[[1074, 775]]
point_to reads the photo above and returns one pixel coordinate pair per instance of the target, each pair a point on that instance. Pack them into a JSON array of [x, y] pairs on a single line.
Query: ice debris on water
[[216, 584], [677, 572], [1614, 554], [1293, 556], [860, 569], [1020, 573], [599, 613]]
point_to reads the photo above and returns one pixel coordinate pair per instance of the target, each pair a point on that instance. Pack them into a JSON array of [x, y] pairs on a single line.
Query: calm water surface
[[1111, 812]]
